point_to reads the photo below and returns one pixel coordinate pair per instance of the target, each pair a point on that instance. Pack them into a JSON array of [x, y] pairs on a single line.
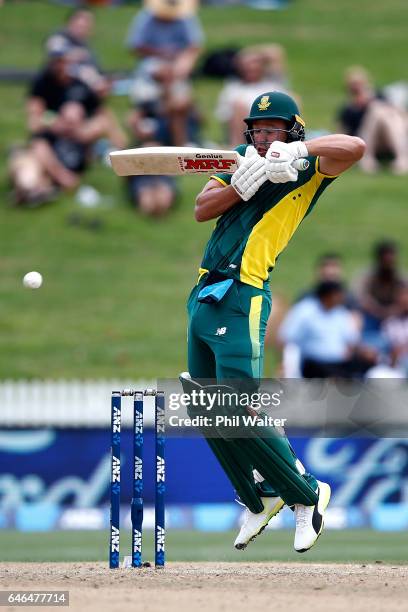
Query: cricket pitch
[[187, 587]]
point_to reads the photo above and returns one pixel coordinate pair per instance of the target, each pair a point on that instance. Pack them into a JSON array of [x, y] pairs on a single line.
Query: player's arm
[[337, 152], [214, 200]]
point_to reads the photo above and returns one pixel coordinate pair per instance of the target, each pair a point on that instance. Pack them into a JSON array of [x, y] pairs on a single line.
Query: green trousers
[[226, 345], [226, 340]]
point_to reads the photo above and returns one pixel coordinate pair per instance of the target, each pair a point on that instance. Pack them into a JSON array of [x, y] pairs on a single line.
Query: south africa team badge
[[264, 103]]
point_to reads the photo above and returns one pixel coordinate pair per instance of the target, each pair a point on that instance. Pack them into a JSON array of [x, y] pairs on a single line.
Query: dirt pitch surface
[[187, 587]]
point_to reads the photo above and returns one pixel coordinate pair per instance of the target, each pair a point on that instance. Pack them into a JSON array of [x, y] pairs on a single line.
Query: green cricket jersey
[[249, 237]]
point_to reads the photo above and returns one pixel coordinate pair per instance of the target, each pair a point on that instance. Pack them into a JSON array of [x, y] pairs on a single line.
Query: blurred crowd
[[333, 331], [379, 117], [70, 122], [69, 119]]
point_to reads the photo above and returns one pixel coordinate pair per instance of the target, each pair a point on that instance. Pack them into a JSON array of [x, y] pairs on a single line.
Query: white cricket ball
[[32, 280]]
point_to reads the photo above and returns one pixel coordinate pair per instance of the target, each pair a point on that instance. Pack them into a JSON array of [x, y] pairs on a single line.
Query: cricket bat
[[179, 160]]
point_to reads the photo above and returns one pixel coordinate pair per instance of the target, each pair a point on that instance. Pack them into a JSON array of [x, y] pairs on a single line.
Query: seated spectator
[[396, 93], [278, 313], [395, 330], [73, 40], [55, 86], [152, 195], [65, 117], [329, 267], [167, 36], [382, 126], [326, 335], [258, 69], [30, 183], [53, 160], [378, 289]]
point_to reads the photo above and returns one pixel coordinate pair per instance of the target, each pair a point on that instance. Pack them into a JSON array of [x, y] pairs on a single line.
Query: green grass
[[113, 300], [353, 546]]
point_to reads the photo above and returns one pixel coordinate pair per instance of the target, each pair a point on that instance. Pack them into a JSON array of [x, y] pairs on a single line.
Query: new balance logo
[[221, 331]]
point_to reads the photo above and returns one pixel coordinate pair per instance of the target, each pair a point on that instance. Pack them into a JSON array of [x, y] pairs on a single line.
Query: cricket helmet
[[276, 105]]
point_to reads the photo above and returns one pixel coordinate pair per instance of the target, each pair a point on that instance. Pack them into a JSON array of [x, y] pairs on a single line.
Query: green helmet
[[277, 105]]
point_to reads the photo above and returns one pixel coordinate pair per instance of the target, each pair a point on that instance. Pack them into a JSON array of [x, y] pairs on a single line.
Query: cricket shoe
[[254, 524], [310, 519]]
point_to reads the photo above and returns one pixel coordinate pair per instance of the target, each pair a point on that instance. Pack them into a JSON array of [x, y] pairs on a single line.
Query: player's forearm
[[212, 203], [337, 146]]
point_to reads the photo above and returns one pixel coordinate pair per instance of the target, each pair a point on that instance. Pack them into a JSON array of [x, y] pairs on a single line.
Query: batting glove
[[281, 173], [250, 175], [279, 159], [286, 151]]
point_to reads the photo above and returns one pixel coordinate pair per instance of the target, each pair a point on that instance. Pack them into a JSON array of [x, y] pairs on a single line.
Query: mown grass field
[[112, 304], [353, 546]]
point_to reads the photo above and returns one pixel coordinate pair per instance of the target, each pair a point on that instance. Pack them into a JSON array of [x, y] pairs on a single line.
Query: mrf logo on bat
[[206, 162]]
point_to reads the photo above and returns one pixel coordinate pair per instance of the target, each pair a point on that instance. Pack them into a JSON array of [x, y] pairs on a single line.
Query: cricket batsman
[[258, 209]]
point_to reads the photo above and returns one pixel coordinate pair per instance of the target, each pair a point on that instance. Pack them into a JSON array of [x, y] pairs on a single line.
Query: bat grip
[[301, 164], [298, 164]]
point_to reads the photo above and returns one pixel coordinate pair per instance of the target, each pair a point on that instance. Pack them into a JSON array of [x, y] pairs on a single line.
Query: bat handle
[[301, 164], [298, 164]]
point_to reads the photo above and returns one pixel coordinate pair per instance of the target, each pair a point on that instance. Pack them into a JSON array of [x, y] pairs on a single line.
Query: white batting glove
[[250, 175], [281, 173], [286, 151], [279, 159]]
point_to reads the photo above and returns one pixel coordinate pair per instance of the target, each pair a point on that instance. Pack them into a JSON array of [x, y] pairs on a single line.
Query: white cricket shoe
[[254, 524], [309, 519]]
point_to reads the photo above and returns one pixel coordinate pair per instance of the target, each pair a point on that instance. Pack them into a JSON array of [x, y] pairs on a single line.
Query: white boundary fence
[[67, 403]]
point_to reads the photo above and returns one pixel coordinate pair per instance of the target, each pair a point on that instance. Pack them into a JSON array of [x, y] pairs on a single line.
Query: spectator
[[395, 330], [329, 267], [382, 126], [73, 40], [55, 86], [326, 335], [65, 117], [152, 195], [378, 289], [258, 69], [396, 93], [167, 36], [30, 182], [53, 160]]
